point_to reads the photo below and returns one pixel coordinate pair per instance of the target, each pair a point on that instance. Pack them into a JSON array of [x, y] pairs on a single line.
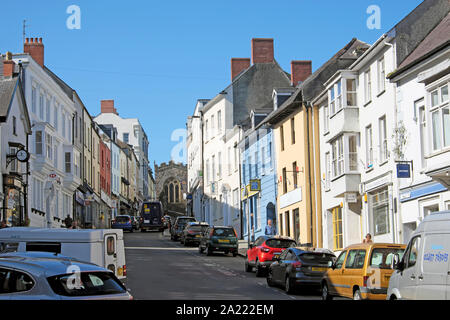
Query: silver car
[[48, 276]]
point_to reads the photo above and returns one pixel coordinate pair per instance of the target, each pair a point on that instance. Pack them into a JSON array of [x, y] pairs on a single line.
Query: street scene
[[224, 152]]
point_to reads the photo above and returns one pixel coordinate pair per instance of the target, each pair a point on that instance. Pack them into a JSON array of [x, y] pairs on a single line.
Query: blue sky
[[155, 59]]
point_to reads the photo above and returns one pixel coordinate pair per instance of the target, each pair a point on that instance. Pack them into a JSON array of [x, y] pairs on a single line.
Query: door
[[353, 271], [111, 254], [290, 258], [433, 267], [334, 276], [276, 271], [253, 254], [408, 277]]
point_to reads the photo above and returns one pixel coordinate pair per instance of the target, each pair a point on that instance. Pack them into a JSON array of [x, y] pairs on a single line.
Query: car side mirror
[[331, 265], [275, 258], [397, 264]]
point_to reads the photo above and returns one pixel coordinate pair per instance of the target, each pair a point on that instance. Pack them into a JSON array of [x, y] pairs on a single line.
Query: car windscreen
[[382, 257], [86, 284], [316, 257], [224, 232], [280, 243], [184, 221], [122, 219]]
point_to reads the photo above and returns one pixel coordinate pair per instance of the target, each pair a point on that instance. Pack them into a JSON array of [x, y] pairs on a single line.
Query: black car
[[178, 226], [193, 232], [299, 267]]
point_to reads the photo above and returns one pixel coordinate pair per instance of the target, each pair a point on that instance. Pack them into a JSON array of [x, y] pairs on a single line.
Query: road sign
[[403, 170]]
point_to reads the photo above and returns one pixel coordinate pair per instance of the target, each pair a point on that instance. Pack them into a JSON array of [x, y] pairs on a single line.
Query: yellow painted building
[[298, 178]]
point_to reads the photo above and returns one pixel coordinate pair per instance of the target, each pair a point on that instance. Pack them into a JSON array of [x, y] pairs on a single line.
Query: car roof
[[221, 227], [309, 249], [375, 245], [44, 263], [277, 238]]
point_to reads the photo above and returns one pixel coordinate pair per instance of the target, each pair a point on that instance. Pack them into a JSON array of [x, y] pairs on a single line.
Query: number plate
[[224, 241], [319, 269], [146, 221], [198, 236]]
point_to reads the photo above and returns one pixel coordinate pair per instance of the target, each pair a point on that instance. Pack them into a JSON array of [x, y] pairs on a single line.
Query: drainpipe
[[309, 173], [394, 64]]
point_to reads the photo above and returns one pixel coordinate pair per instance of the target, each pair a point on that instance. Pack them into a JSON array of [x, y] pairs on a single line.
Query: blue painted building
[[258, 179]]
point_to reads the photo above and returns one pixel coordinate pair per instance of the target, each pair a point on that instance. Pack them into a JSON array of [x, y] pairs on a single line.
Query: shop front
[[13, 212]]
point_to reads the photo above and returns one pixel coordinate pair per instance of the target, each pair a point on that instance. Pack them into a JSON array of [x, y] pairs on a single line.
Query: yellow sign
[[247, 192]]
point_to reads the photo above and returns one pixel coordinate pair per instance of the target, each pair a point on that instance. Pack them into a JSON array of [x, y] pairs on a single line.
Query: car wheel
[[288, 287], [357, 295], [269, 279], [185, 243], [326, 296], [131, 230], [200, 249], [248, 268], [259, 269], [235, 254], [142, 230], [209, 252]]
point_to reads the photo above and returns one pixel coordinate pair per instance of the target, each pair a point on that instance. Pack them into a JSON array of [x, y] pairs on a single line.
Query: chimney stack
[[8, 65], [238, 65], [35, 49], [300, 70], [262, 50], [107, 106]]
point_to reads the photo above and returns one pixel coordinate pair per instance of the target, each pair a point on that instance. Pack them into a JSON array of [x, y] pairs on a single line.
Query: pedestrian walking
[[270, 228]]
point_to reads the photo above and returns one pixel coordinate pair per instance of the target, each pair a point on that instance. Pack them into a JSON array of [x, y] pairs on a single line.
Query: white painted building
[[423, 82], [130, 131], [52, 182], [221, 163], [194, 146], [15, 127]]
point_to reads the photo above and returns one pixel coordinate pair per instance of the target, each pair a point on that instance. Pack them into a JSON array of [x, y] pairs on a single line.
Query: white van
[[103, 247], [424, 271]]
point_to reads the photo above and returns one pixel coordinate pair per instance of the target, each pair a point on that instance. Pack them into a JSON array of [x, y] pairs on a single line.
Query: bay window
[[351, 92], [335, 97], [369, 147], [344, 155], [49, 145], [381, 75], [38, 142], [440, 118], [367, 87], [326, 119]]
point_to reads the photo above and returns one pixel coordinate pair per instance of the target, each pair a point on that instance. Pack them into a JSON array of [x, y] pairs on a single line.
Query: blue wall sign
[[403, 170]]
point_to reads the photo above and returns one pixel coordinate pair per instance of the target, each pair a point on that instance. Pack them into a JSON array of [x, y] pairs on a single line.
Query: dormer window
[[342, 94]]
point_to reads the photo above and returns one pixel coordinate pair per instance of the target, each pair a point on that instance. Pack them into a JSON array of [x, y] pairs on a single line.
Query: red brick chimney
[[8, 65], [300, 70], [35, 48], [238, 65], [262, 50], [107, 106]]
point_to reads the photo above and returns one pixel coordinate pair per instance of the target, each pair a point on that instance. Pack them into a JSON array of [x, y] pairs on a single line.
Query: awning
[[441, 175]]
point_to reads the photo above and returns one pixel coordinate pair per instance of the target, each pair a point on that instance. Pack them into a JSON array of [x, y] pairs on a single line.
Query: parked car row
[[208, 238]]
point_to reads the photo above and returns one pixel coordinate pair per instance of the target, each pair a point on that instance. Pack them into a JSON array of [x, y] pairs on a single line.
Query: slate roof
[[314, 84], [437, 39], [7, 88]]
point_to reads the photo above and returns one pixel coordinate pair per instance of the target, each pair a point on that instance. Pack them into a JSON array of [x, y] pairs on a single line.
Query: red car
[[261, 252]]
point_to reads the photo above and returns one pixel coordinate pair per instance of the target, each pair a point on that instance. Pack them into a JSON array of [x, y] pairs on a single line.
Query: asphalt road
[[161, 269]]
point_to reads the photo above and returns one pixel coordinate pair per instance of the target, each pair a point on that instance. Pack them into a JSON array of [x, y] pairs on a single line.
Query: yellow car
[[362, 271]]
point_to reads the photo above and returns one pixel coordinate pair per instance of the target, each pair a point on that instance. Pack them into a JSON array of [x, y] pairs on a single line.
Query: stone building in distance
[[171, 186]]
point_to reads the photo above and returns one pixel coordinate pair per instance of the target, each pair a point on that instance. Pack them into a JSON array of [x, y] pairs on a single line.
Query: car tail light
[[191, 232], [211, 233], [297, 265], [265, 249], [235, 232], [365, 280]]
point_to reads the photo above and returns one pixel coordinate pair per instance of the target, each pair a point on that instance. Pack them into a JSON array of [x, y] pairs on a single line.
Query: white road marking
[[160, 248]]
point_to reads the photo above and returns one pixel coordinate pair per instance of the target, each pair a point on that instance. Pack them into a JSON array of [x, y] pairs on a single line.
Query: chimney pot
[[8, 66], [35, 48], [262, 50], [107, 106], [238, 65], [300, 71]]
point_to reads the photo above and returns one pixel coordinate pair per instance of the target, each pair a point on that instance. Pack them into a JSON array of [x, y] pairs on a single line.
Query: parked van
[[103, 247], [424, 271], [361, 271]]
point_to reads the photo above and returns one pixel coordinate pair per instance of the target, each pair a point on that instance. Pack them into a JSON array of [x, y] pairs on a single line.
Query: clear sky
[[156, 58]]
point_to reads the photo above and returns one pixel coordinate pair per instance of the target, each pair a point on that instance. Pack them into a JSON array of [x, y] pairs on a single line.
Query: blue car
[[123, 222]]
